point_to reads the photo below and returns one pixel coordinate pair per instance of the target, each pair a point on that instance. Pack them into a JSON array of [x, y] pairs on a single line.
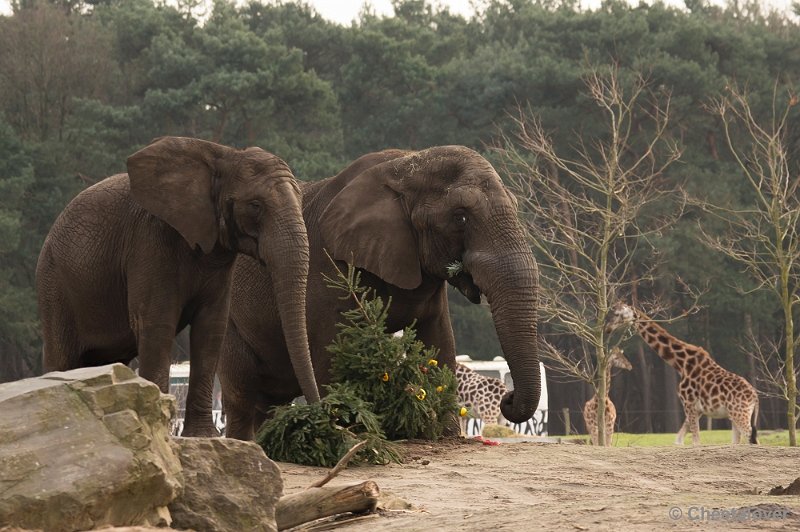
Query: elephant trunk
[[287, 255], [510, 283]]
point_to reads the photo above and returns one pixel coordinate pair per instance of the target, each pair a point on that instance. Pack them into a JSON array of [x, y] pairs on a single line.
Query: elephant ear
[[365, 224], [171, 178]]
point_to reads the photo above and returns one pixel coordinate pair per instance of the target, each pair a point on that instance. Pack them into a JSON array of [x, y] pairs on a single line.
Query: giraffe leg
[[735, 433], [590, 419], [694, 426], [747, 431], [741, 426], [681, 433], [609, 434]]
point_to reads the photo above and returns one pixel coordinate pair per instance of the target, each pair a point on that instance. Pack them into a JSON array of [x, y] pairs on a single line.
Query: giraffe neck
[[680, 355]]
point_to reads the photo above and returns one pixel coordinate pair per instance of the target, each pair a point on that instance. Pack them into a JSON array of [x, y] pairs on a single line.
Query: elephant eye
[[460, 219], [254, 206]]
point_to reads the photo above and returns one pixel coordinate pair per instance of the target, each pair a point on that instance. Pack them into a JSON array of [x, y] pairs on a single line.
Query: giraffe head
[[616, 357], [619, 315]]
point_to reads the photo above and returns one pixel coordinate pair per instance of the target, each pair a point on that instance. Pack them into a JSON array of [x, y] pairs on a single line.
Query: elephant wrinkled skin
[[137, 257], [402, 218]]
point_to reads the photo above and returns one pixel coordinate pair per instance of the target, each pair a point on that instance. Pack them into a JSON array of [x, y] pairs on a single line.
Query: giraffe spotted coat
[[480, 394], [705, 388]]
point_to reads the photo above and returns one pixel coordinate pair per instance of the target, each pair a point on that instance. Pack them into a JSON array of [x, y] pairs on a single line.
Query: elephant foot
[[204, 432], [199, 429]]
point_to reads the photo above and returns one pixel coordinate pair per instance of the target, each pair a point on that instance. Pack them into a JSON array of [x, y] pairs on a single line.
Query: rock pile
[[90, 448]]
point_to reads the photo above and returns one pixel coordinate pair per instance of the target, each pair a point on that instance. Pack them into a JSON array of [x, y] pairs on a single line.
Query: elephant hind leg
[[238, 422], [61, 349]]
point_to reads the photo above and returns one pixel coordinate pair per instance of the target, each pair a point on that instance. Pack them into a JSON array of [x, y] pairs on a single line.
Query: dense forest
[[84, 84]]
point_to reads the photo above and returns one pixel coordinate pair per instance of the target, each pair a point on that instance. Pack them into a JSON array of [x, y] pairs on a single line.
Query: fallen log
[[316, 503]]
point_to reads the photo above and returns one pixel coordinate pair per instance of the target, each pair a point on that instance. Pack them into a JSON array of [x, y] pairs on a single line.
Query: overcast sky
[[344, 11]]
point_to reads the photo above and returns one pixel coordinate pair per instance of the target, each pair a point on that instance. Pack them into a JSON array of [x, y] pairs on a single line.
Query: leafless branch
[[588, 211], [763, 237]]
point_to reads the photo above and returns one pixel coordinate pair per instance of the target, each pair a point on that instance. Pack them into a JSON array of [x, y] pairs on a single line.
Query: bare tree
[[587, 213], [764, 236], [48, 58]]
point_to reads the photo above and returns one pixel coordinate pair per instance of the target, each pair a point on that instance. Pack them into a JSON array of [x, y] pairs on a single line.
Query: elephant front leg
[[154, 349], [207, 334]]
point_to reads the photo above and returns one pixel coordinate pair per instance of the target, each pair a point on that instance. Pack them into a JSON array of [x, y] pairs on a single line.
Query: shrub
[[321, 433], [385, 387], [413, 396]]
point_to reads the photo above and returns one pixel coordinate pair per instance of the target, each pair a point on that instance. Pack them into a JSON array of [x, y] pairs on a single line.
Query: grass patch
[[499, 431], [707, 437]]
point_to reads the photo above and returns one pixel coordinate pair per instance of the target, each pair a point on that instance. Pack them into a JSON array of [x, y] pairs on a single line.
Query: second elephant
[[403, 218], [137, 257]]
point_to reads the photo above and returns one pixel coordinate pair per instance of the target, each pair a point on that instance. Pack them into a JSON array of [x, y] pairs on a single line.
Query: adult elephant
[[137, 257], [402, 218]]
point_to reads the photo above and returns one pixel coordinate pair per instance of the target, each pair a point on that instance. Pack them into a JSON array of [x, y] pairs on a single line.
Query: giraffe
[[705, 388], [616, 360], [480, 394]]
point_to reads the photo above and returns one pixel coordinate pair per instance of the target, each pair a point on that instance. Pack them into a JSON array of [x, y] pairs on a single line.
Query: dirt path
[[537, 486]]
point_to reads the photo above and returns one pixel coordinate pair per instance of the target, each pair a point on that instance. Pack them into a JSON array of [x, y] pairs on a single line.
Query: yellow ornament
[[385, 377], [421, 394], [440, 389], [433, 362], [463, 412]]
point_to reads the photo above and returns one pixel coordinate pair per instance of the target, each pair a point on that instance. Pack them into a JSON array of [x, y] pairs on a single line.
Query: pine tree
[[321, 433], [402, 378]]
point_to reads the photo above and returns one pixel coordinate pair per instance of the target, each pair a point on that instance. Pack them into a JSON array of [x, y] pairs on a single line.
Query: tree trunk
[[647, 403], [602, 393], [315, 503], [787, 299]]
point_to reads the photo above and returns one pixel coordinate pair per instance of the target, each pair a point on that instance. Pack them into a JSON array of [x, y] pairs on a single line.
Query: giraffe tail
[[753, 431]]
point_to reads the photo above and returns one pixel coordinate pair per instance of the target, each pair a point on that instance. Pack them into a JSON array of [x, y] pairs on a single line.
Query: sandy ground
[[463, 485]]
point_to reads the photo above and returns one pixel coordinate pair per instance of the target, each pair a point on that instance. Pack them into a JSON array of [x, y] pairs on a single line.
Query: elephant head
[[244, 201], [444, 213]]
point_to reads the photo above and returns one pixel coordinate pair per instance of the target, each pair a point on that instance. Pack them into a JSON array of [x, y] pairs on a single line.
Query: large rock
[[84, 449], [230, 485]]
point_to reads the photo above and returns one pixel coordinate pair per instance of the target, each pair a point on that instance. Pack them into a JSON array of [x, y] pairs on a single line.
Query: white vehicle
[[179, 386], [498, 368]]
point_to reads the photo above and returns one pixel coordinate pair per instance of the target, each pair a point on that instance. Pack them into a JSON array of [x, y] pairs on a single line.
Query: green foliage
[[321, 433], [83, 84], [413, 396], [18, 320]]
